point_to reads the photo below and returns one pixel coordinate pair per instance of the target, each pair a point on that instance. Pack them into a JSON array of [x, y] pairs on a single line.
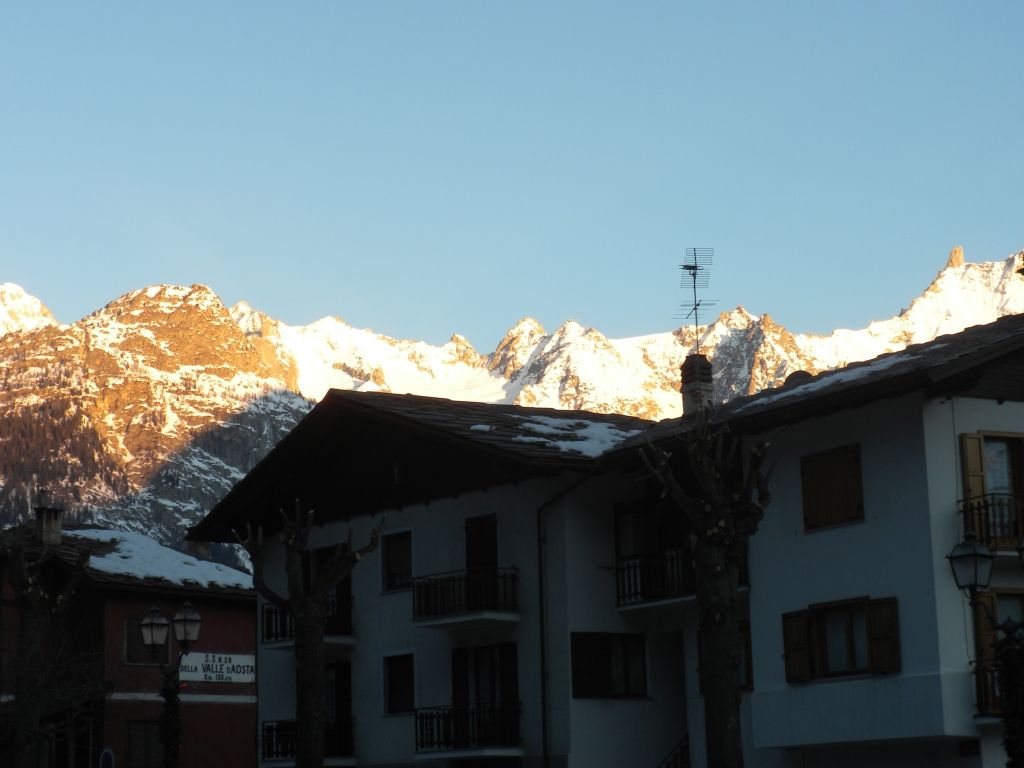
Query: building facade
[[104, 696], [530, 602]]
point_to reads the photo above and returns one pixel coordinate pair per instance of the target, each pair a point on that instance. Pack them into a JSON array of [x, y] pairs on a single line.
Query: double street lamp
[[972, 563], [155, 628]]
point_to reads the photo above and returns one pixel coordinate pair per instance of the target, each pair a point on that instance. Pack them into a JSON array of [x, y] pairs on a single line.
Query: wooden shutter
[[796, 642], [984, 632], [831, 487], [883, 635], [972, 453]]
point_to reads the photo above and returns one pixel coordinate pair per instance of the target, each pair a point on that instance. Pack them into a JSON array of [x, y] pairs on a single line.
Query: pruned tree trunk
[[307, 603], [712, 482]]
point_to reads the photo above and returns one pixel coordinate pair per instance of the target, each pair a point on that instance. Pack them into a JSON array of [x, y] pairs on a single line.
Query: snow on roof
[[829, 379], [138, 556], [591, 438]]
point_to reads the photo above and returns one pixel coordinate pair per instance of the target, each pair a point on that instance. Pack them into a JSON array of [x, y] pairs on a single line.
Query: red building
[[70, 641]]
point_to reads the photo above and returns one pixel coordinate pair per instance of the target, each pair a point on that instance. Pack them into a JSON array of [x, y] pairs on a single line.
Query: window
[[606, 665], [851, 637], [831, 486], [993, 471], [397, 560], [144, 749], [1002, 605], [992, 464], [398, 684], [135, 651]]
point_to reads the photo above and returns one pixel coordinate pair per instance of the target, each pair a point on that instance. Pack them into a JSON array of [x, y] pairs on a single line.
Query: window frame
[[804, 640], [387, 585], [819, 513], [583, 680]]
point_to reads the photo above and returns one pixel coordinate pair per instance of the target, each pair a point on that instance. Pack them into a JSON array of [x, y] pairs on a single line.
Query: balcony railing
[[278, 624], [280, 737], [447, 594], [663, 576], [986, 683], [654, 577], [679, 757], [470, 727], [997, 519]]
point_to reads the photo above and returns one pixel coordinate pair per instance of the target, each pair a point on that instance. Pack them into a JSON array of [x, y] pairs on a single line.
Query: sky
[[430, 168]]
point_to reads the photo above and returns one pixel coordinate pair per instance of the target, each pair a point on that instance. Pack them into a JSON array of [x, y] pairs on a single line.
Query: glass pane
[[618, 662], [998, 468], [860, 637], [1010, 607], [637, 668], [837, 652]]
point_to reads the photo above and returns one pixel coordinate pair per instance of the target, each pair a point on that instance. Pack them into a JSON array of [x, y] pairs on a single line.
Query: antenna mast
[[695, 274]]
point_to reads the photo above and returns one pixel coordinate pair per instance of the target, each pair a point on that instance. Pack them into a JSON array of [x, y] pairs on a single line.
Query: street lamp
[[971, 562], [155, 627]]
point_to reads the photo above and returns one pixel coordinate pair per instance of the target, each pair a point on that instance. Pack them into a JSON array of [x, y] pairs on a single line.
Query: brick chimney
[[49, 521], [697, 388]]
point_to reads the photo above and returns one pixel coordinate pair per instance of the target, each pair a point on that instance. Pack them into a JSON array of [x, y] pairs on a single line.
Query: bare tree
[[54, 679], [717, 484], [307, 603]]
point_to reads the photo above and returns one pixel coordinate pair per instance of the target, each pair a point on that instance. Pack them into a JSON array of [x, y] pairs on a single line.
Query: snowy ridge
[[142, 415]]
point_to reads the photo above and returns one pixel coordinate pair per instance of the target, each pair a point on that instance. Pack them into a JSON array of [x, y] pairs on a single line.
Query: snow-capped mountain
[[21, 312], [144, 413]]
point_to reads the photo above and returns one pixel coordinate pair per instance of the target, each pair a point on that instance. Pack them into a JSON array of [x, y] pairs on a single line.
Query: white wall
[[911, 479], [889, 554], [632, 731]]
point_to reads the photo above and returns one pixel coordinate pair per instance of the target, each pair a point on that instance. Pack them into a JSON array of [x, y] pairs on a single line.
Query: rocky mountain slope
[[144, 413]]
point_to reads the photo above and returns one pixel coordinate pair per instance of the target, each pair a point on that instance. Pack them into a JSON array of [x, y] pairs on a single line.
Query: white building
[[528, 606]]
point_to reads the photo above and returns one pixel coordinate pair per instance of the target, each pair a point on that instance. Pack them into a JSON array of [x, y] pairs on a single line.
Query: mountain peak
[[956, 257], [20, 311], [514, 350]]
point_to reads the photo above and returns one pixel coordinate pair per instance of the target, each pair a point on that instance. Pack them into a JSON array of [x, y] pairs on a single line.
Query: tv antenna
[[695, 274]]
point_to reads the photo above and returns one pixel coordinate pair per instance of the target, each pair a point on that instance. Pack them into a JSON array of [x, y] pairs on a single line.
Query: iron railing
[[986, 685], [467, 727], [654, 577], [661, 576], [679, 757], [279, 625], [280, 737], [996, 519], [481, 589]]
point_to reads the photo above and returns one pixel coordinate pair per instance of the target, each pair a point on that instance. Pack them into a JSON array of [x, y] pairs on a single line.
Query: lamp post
[[971, 562], [155, 626]]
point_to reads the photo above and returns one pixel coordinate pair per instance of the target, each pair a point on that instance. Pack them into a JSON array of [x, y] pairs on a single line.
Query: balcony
[[279, 738], [997, 519], [476, 730], [465, 599], [666, 577], [278, 628]]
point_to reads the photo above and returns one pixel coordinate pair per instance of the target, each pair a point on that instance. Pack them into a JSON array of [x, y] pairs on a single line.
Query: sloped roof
[[535, 435], [128, 560], [358, 452], [949, 364]]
